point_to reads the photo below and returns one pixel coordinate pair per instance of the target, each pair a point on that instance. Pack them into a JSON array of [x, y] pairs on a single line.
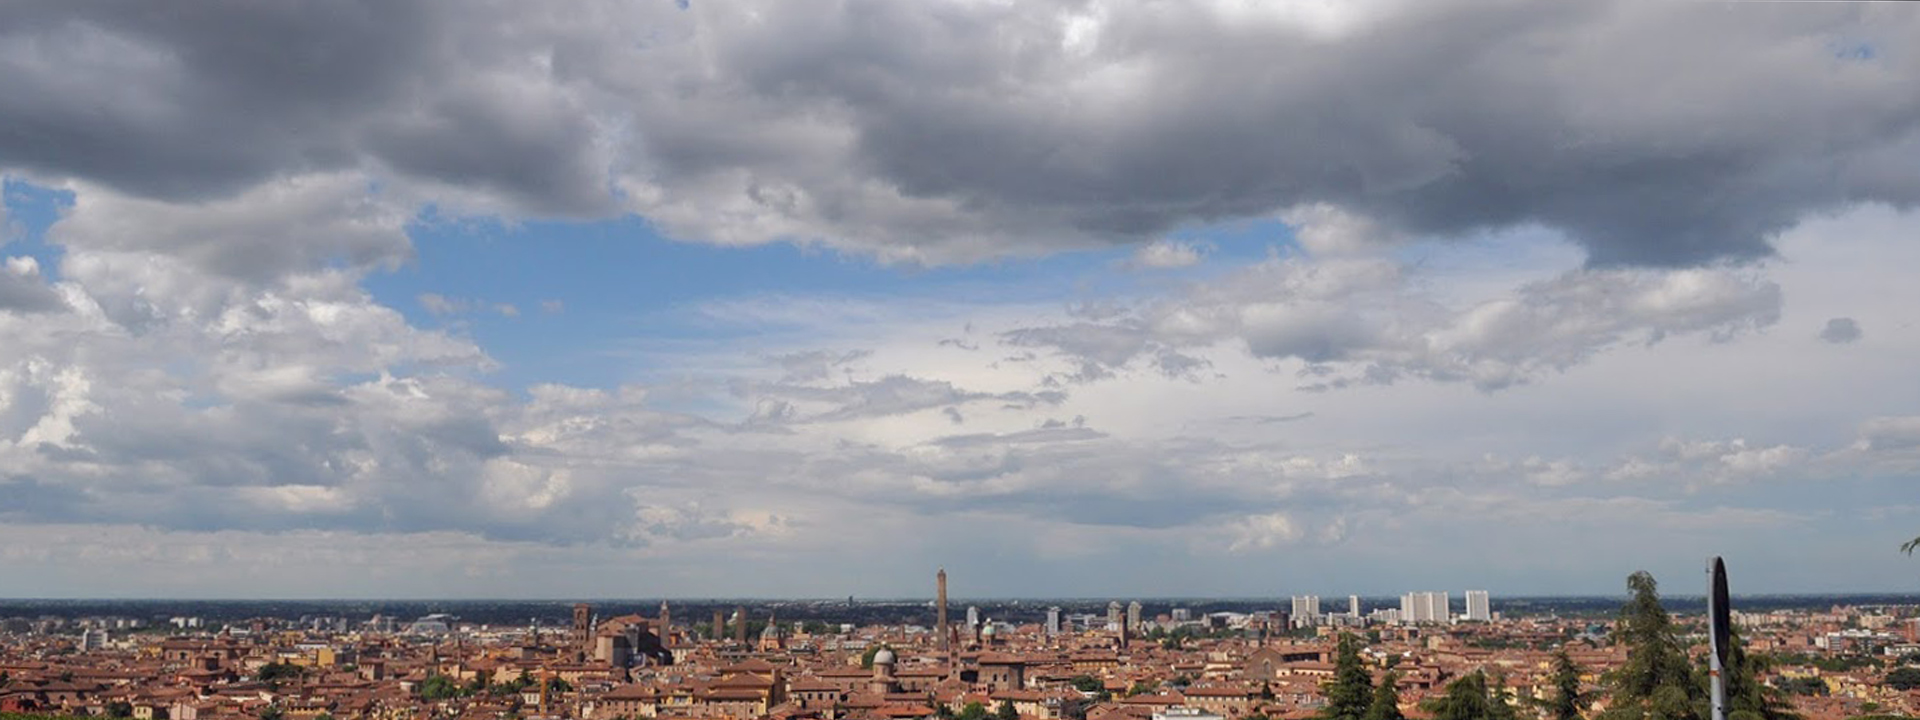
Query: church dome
[[884, 657]]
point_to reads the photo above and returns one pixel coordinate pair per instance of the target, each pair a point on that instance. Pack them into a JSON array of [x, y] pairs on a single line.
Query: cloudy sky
[[1073, 297]]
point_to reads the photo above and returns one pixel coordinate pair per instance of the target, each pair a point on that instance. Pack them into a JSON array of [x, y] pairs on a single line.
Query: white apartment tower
[[1478, 606], [94, 639], [1425, 607], [1306, 610], [1133, 617], [1053, 621], [1353, 606]]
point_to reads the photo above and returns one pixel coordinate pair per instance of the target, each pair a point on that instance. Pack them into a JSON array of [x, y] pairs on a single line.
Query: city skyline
[[414, 298]]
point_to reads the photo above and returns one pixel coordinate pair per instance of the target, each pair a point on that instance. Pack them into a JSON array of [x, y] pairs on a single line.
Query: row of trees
[[977, 711], [1657, 682], [442, 687]]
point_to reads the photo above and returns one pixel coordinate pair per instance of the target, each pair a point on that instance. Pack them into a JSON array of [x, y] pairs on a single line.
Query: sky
[[644, 298]]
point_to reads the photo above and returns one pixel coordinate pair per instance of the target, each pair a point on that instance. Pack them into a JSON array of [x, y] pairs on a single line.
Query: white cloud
[[1167, 255], [1368, 320], [205, 382]]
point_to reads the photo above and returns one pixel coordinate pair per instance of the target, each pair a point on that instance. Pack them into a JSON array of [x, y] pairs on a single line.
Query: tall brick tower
[[582, 635], [940, 609]]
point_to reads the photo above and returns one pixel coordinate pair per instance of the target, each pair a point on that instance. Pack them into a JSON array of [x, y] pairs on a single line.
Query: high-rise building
[[1425, 607], [1053, 621], [1478, 606], [1115, 619], [1353, 606], [1181, 615], [93, 639], [1306, 610], [973, 618], [1133, 617]]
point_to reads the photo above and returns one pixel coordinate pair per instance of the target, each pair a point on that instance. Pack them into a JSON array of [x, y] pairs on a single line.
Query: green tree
[[1007, 711], [866, 658], [1087, 684], [1811, 686], [439, 687], [119, 709], [1656, 682], [559, 685], [1350, 691], [1567, 702], [1466, 698], [1386, 699], [972, 711], [1747, 697], [1500, 700], [1906, 678], [276, 671], [272, 712]]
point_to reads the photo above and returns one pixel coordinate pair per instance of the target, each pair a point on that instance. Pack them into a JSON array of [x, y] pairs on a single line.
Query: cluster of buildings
[[1416, 608], [1128, 664]]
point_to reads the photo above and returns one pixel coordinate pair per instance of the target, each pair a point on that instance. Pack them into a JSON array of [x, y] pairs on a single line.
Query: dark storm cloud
[[188, 101], [1650, 133]]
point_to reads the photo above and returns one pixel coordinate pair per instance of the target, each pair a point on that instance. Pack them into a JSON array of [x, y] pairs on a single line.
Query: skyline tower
[[582, 628], [1306, 610], [940, 605], [1479, 607]]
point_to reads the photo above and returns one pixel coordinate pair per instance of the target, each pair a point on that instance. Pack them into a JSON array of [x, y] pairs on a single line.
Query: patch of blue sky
[[587, 293], [1853, 50], [31, 209]]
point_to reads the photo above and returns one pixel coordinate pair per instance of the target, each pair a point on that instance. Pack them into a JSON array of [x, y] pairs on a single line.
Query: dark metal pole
[[1720, 619]]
